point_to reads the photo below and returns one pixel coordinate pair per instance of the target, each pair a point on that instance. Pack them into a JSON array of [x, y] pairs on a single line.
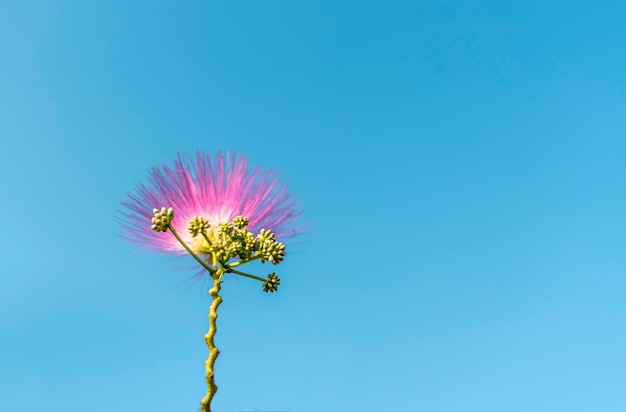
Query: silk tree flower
[[223, 213], [217, 190]]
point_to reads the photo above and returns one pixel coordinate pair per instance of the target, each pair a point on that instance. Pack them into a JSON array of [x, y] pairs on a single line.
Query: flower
[[217, 191]]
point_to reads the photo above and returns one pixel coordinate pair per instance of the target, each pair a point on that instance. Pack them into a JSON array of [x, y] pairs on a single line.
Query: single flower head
[[162, 218], [213, 200], [272, 283]]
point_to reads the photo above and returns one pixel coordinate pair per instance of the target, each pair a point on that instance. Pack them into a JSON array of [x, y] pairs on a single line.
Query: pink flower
[[218, 190]]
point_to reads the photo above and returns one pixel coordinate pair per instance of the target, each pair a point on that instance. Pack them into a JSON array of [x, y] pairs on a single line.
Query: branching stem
[[191, 252]]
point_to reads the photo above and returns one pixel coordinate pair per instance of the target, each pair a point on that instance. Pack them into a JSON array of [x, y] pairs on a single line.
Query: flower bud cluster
[[232, 240], [240, 222], [271, 284], [273, 251], [162, 218], [198, 225]]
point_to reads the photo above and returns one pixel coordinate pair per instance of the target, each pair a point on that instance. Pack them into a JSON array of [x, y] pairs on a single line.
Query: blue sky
[[463, 163]]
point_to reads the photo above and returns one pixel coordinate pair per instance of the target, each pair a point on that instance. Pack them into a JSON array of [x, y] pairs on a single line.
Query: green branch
[[191, 252], [229, 270]]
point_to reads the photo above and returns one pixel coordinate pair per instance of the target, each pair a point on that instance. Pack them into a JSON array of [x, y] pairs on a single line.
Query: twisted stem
[[205, 404]]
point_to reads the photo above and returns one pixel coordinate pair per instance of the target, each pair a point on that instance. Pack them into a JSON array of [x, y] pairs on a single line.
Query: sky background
[[463, 164]]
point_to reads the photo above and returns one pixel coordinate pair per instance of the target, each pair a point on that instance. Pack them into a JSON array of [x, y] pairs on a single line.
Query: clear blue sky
[[463, 162]]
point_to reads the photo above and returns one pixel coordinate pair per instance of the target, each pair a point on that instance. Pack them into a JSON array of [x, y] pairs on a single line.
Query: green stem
[[229, 270], [243, 262], [206, 238], [202, 262], [205, 404]]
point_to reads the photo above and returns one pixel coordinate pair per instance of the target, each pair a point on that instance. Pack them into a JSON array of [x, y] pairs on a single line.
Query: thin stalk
[[243, 262], [229, 270], [206, 238]]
